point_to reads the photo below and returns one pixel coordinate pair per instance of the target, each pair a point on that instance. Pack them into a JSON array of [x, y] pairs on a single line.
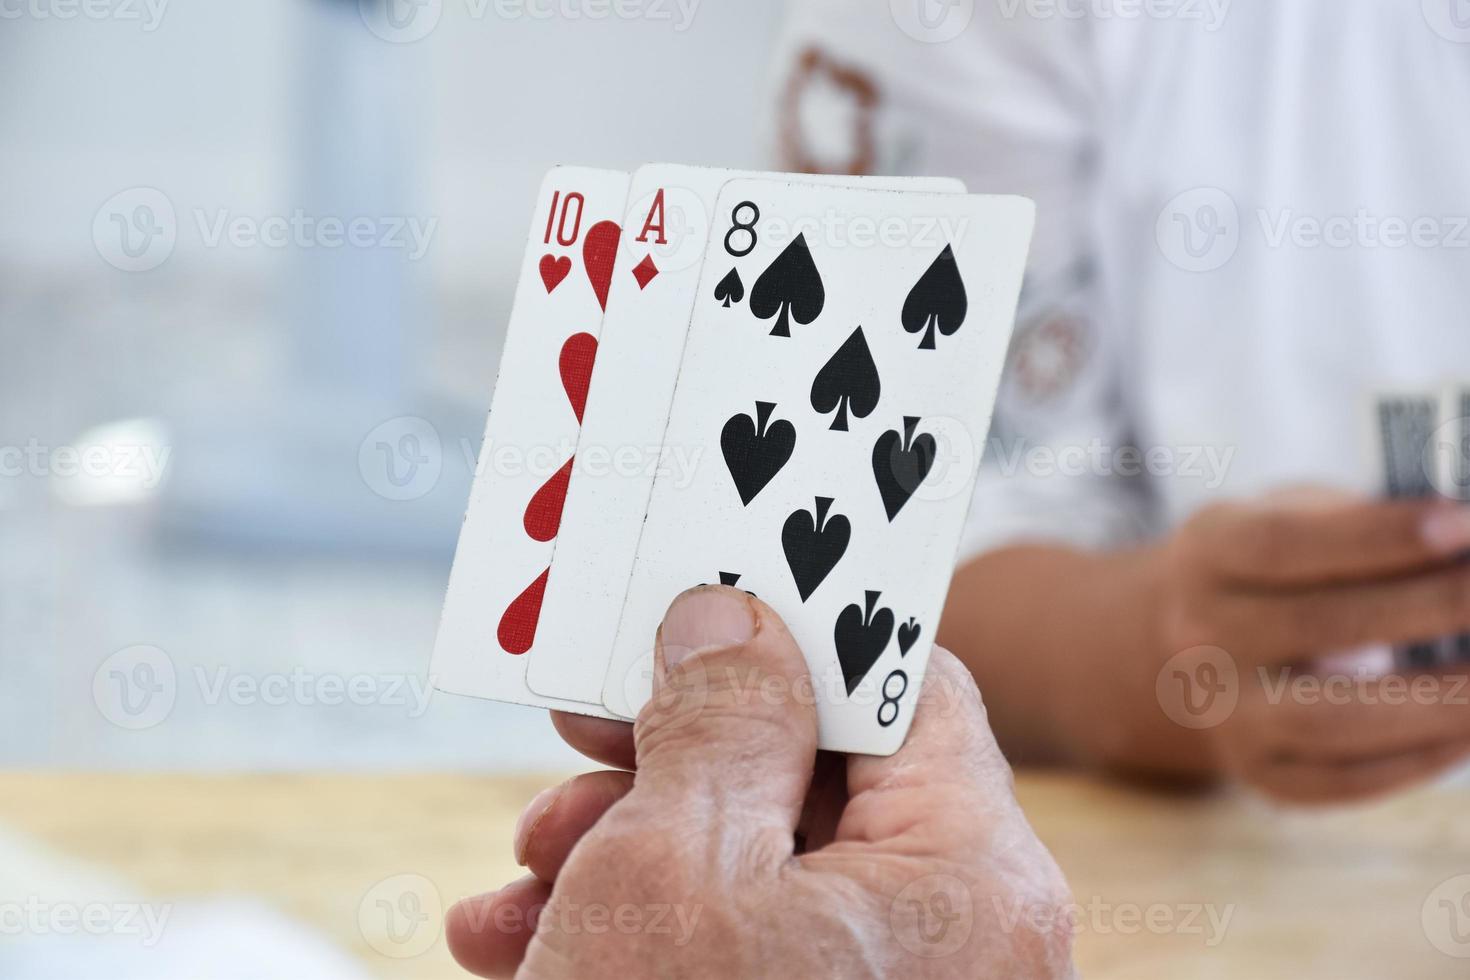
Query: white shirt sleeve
[[1009, 105]]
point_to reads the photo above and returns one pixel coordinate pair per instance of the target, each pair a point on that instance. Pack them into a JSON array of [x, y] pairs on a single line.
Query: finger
[[599, 739], [949, 763], [488, 934], [1374, 660], [1342, 719], [825, 801], [1331, 538], [728, 741], [1273, 626], [1308, 783], [559, 817]]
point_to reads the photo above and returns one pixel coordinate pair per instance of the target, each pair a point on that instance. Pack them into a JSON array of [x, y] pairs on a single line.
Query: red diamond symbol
[[645, 271]]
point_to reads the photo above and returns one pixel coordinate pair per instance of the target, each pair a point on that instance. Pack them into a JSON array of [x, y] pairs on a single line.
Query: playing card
[[1451, 447], [1405, 425], [671, 210], [1451, 443], [836, 404], [492, 611]]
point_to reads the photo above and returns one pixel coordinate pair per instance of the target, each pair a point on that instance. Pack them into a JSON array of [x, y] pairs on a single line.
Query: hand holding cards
[[797, 376]]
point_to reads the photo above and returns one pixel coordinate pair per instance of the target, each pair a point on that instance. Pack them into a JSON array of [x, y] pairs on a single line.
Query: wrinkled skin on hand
[[757, 857]]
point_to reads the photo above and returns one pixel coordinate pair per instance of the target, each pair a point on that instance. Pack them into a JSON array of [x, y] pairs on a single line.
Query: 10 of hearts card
[[772, 381]]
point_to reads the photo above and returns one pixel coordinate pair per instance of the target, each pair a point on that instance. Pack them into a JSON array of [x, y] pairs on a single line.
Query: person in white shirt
[[1250, 216]]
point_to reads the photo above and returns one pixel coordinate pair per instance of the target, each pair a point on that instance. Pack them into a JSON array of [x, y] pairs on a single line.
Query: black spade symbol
[[731, 289], [814, 545], [732, 579], [789, 289], [908, 635], [756, 449], [861, 635], [937, 300], [901, 463], [848, 382]]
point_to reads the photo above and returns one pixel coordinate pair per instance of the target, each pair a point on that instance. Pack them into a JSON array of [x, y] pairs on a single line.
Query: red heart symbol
[[517, 630], [543, 513], [599, 251], [577, 357], [554, 270]]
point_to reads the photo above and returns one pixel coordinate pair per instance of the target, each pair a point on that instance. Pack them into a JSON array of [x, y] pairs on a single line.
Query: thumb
[[729, 739]]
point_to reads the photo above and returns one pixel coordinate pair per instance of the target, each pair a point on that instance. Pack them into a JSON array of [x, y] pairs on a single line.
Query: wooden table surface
[[1166, 887]]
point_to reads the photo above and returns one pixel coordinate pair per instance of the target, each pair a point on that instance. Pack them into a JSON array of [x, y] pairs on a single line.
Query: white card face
[[654, 288], [489, 628], [1420, 439], [837, 411], [1451, 446]]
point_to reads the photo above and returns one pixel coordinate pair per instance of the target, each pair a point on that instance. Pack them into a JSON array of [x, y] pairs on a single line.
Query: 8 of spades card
[[838, 412], [668, 222]]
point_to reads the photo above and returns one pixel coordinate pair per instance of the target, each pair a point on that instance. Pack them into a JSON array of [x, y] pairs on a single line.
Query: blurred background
[[255, 264], [239, 435], [245, 444]]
